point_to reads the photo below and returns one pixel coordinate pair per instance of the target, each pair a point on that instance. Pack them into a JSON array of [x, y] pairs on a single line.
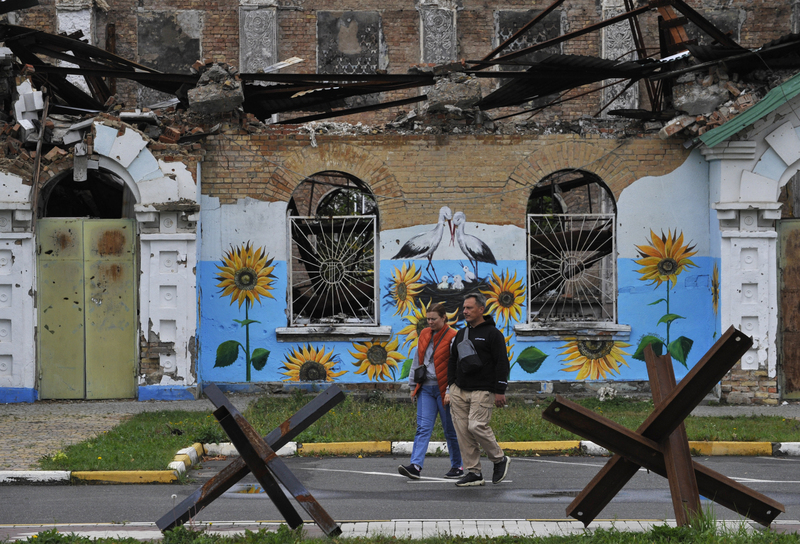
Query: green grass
[[703, 532], [148, 441]]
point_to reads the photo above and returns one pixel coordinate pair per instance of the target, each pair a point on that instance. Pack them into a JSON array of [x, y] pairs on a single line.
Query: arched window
[[571, 250], [102, 195], [333, 220]]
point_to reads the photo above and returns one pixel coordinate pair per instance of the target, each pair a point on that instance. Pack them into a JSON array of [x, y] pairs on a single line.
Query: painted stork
[[474, 248], [423, 245]]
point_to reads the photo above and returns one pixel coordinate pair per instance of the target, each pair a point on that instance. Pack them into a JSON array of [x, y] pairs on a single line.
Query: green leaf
[[406, 369], [669, 318], [531, 359], [227, 353], [656, 302], [259, 358], [648, 340], [245, 322], [680, 348]]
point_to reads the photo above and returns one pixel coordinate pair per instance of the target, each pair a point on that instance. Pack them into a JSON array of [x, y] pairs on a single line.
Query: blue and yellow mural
[[667, 293]]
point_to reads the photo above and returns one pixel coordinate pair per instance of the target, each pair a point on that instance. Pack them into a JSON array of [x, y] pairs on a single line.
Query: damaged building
[[271, 193]]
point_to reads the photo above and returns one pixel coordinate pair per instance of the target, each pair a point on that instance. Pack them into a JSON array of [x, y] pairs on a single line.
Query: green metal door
[[789, 308], [87, 308]]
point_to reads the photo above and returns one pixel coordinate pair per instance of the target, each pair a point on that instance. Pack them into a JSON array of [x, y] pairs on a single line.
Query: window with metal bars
[[334, 268], [571, 233]]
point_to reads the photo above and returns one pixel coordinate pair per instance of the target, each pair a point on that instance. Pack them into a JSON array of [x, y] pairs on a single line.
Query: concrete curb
[[187, 457]]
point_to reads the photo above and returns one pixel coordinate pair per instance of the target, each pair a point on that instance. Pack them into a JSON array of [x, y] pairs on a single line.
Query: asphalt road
[[370, 489]]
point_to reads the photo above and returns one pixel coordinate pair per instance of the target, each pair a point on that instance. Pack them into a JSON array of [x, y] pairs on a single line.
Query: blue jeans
[[429, 403]]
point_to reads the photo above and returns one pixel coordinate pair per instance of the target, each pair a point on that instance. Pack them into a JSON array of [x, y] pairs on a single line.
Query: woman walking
[[428, 381]]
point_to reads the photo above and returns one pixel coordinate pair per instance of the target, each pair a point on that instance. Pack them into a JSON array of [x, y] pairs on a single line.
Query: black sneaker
[[470, 479], [500, 470], [454, 473], [411, 471]]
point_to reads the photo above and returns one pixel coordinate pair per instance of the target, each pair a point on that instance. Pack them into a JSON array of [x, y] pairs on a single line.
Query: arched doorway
[[87, 287], [333, 221]]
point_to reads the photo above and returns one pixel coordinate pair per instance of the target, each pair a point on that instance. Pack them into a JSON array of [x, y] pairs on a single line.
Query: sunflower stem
[[668, 322], [247, 338]]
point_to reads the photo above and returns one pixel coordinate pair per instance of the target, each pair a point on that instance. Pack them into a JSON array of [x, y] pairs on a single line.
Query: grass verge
[[148, 441]]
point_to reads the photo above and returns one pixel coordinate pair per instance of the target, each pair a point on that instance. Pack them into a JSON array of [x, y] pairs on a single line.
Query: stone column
[[747, 209], [258, 35]]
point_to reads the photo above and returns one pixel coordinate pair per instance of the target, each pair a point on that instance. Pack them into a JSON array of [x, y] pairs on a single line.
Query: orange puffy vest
[[442, 354]]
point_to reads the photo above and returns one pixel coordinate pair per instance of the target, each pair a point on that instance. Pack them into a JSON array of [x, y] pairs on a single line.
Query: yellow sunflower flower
[[307, 364], [404, 287], [665, 258], [715, 289], [505, 298], [417, 320], [376, 359], [593, 359], [246, 274]]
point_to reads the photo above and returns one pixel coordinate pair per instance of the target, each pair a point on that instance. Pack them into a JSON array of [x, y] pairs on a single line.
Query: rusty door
[[789, 308], [87, 308]]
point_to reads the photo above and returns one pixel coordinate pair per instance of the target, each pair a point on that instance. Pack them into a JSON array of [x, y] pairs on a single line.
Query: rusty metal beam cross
[[258, 455], [657, 439]]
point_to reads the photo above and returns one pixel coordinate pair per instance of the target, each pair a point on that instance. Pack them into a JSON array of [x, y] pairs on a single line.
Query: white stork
[[473, 247], [423, 245]]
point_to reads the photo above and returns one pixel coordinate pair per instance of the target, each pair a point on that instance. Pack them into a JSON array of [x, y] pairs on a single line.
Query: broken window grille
[[571, 268], [333, 273], [571, 250]]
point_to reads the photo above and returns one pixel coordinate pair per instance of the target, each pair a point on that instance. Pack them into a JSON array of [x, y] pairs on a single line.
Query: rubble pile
[[218, 90], [711, 100]]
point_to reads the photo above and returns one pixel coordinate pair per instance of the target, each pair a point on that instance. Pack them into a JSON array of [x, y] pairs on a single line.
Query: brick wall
[[749, 387], [411, 174]]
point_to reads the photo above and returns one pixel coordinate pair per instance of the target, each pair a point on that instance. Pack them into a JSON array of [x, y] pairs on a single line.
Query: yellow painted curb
[[183, 458], [346, 447], [732, 448], [547, 446], [198, 447], [124, 477]]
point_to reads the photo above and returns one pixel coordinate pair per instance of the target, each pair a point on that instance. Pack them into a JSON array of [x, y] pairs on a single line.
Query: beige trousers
[[471, 412]]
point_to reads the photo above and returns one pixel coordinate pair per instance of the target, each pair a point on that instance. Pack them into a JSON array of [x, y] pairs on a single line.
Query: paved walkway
[[29, 431], [409, 528]]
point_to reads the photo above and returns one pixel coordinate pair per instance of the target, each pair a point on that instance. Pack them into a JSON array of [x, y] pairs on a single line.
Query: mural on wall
[[593, 359], [308, 364], [245, 276], [377, 359], [663, 260]]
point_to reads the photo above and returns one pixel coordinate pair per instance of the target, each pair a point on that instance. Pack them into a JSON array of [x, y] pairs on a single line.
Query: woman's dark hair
[[439, 309]]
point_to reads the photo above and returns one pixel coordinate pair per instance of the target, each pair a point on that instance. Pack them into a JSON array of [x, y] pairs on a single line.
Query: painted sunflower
[[417, 320], [665, 258], [404, 287], [506, 297], [509, 348], [307, 364], [715, 289], [376, 359], [593, 359], [246, 274]]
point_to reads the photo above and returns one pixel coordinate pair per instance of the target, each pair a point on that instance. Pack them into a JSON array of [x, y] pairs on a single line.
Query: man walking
[[477, 378]]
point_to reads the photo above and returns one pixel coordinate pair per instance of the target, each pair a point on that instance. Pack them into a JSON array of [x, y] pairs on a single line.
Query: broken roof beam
[[167, 83], [564, 37], [350, 111], [704, 24], [524, 29]]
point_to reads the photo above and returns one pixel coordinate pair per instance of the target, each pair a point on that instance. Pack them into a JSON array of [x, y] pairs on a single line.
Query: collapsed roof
[[323, 95]]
